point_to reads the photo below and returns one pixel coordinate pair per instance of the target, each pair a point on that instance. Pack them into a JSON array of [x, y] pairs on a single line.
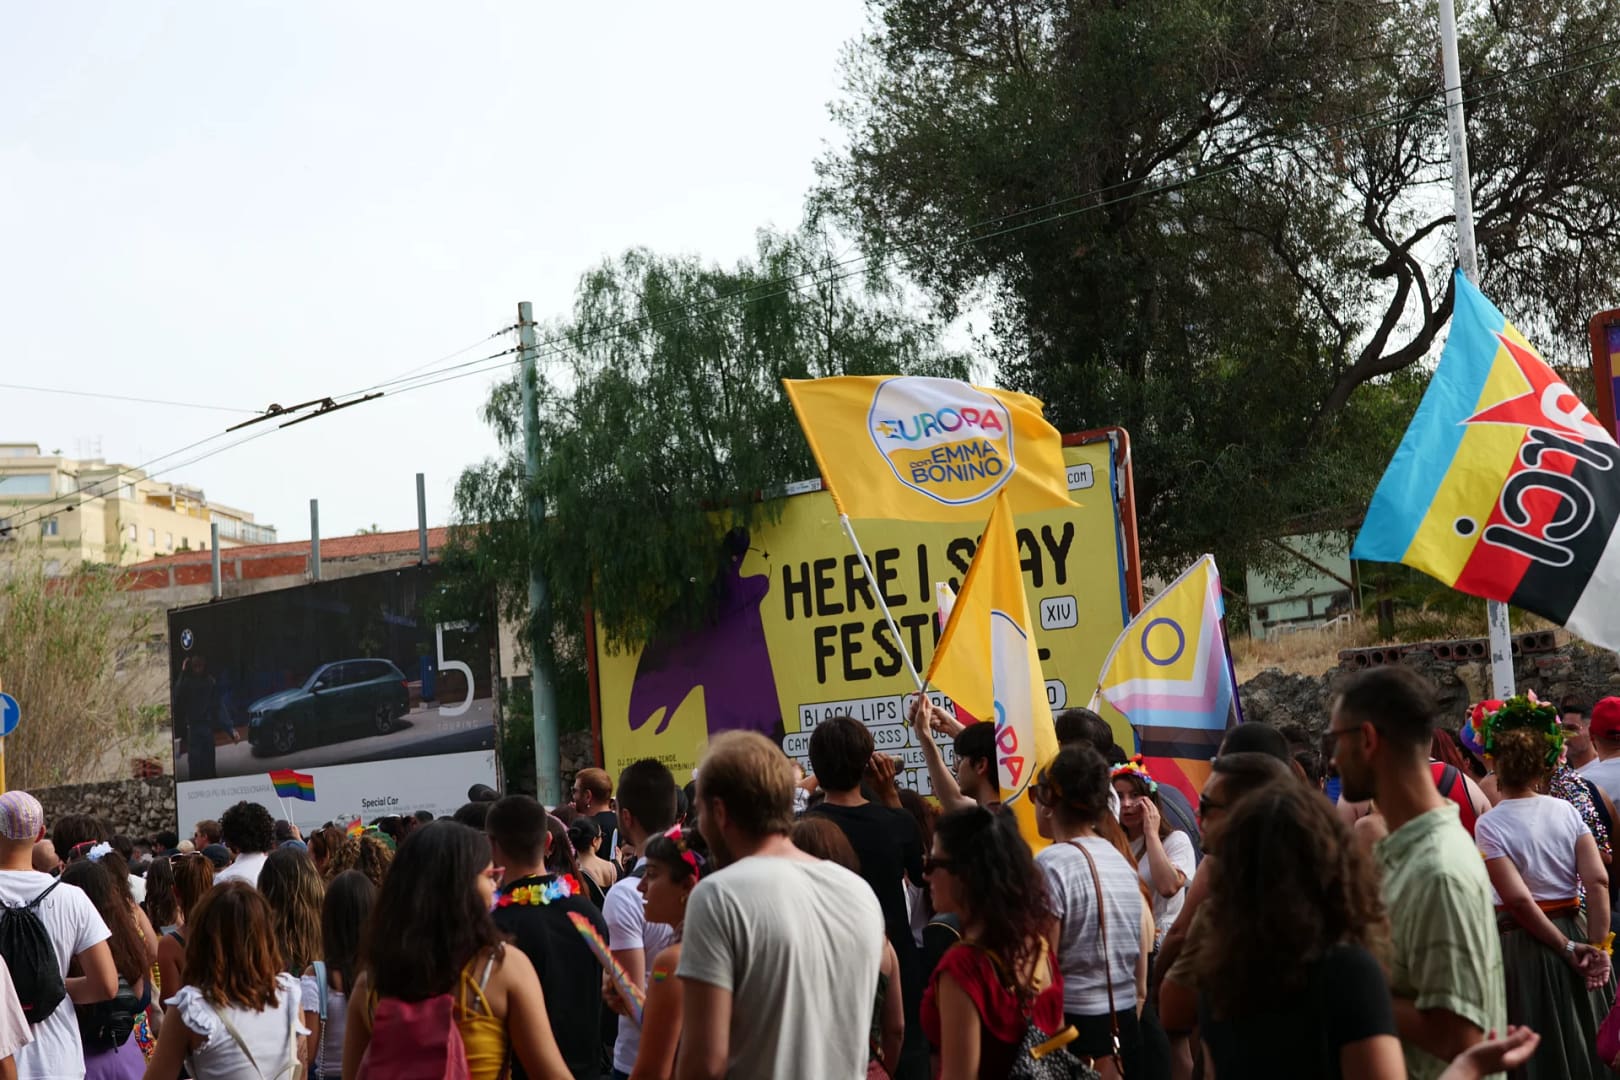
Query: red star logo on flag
[[1548, 404]]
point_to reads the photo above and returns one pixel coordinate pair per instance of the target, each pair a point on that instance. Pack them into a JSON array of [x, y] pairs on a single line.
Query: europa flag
[[1504, 486], [1170, 674], [988, 665], [923, 449]]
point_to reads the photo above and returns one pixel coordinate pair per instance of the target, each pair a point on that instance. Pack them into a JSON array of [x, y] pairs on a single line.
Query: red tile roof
[[332, 547]]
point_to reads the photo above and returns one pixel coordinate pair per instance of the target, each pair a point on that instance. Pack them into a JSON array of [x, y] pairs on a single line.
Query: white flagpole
[[1496, 612], [877, 593]]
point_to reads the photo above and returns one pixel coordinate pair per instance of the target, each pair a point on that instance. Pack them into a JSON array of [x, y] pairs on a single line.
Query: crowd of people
[[1397, 903]]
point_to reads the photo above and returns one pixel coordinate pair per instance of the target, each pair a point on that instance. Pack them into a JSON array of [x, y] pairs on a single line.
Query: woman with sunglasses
[[431, 934], [1002, 979], [1105, 928], [675, 861]]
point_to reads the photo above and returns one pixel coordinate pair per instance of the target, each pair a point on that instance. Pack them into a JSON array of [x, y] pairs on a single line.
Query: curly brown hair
[[1520, 758], [1003, 890], [231, 952], [1290, 884], [364, 853]]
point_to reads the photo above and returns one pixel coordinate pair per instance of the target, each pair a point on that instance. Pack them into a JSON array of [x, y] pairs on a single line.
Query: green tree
[[661, 422], [1228, 226]]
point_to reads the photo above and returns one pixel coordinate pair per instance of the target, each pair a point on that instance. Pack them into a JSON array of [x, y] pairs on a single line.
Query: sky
[[245, 203]]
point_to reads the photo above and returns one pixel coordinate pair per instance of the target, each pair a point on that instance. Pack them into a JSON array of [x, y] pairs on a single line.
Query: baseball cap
[[1606, 719], [21, 816]]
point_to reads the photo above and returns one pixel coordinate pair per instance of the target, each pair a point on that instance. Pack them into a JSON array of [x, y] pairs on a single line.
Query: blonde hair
[[752, 776]]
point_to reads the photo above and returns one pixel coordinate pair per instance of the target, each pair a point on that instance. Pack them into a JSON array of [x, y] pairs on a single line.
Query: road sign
[[10, 714]]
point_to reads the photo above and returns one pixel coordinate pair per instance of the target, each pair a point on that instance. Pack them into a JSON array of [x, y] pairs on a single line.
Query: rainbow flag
[[1504, 486], [356, 827], [925, 449], [988, 664], [1170, 674], [293, 785]]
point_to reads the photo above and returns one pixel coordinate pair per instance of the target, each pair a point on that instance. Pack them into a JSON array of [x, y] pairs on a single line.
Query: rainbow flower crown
[[1135, 768], [1490, 718]]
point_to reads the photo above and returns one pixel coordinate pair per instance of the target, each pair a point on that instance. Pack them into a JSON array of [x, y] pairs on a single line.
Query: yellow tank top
[[482, 1032]]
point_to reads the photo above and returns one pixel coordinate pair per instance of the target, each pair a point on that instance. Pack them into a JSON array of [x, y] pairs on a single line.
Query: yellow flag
[[988, 664], [925, 449]]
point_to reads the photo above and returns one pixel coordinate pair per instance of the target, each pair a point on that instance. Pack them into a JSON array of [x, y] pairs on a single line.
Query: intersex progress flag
[[293, 785], [1170, 674], [926, 449], [988, 664], [1504, 486]]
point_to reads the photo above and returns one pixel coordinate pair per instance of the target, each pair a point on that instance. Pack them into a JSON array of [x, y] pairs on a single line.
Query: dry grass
[[1314, 652]]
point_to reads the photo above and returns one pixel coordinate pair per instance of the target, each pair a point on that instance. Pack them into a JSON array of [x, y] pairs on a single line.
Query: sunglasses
[[930, 864], [1206, 804]]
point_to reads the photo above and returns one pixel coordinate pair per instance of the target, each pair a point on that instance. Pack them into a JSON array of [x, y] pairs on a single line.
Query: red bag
[[415, 1040], [1608, 1037]]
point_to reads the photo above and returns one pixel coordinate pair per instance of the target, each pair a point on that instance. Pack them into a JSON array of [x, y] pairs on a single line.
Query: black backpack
[[31, 958], [107, 1025]]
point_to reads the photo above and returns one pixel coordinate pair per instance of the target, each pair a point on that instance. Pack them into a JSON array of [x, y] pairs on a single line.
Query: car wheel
[[385, 719], [283, 739]]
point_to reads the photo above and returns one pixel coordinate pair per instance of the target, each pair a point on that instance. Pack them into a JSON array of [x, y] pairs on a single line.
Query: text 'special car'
[[341, 700]]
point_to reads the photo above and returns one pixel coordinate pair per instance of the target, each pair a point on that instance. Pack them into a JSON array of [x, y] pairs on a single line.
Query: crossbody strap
[[236, 1037], [1108, 961]]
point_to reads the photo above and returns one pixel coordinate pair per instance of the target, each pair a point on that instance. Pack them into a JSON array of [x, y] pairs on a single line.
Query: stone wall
[[1574, 668], [132, 807]]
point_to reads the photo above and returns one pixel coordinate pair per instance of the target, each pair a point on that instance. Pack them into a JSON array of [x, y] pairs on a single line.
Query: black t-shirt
[[608, 822], [886, 842], [569, 975], [1346, 999]]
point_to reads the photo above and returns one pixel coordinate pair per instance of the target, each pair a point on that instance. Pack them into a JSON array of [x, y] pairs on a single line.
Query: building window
[[168, 541], [151, 538], [134, 534], [49, 527], [27, 484]]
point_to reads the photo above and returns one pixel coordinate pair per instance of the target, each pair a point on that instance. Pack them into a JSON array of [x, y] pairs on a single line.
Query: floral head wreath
[[1135, 768], [691, 858], [1490, 718]]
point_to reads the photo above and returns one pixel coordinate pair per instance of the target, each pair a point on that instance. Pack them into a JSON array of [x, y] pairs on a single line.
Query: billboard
[[344, 681], [796, 633]]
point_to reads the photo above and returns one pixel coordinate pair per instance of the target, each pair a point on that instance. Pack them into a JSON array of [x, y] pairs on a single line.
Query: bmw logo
[[186, 640]]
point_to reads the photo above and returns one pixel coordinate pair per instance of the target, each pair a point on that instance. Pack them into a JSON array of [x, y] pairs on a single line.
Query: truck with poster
[[796, 633], [348, 684]]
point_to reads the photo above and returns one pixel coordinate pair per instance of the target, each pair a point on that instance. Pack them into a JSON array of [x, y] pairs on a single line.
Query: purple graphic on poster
[[726, 655]]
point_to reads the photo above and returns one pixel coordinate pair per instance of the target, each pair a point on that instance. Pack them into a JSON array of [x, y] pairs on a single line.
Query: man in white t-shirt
[[646, 808], [250, 833], [1604, 731], [76, 932], [781, 950]]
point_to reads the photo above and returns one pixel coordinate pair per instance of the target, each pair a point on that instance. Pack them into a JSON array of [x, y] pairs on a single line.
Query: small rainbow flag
[[293, 785], [356, 827]]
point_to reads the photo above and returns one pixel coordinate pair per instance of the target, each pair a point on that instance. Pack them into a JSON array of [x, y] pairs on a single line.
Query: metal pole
[[213, 549], [421, 518], [314, 539], [547, 763], [1496, 612]]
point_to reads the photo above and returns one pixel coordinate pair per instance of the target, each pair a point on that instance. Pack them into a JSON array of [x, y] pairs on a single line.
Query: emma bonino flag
[[988, 665], [924, 449], [1504, 485], [1171, 676]]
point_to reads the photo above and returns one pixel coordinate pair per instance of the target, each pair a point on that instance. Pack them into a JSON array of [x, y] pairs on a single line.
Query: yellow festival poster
[[797, 634]]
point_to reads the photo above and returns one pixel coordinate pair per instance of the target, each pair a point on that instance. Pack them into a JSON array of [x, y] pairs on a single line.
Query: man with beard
[[781, 950], [1447, 977]]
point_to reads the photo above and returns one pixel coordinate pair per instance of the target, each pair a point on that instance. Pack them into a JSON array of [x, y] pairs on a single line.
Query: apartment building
[[90, 510]]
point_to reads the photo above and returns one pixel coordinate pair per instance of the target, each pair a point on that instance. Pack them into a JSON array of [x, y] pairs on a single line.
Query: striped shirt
[[1445, 947]]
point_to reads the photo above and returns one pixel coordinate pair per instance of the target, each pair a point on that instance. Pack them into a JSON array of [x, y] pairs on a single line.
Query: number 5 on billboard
[[453, 665]]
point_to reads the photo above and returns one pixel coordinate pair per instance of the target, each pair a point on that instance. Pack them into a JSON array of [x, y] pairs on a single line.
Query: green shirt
[[1445, 947]]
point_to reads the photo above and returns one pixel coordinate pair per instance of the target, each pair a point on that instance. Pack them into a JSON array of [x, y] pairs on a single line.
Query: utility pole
[[1462, 189], [547, 764]]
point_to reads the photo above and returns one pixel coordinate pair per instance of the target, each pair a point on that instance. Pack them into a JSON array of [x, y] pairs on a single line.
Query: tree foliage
[[661, 421], [1227, 224]]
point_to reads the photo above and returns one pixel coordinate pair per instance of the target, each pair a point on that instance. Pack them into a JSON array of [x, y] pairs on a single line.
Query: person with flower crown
[[532, 906], [1540, 854], [676, 859], [1164, 854]]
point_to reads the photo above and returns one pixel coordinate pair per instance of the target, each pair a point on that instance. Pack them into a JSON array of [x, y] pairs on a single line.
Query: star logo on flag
[[1547, 404]]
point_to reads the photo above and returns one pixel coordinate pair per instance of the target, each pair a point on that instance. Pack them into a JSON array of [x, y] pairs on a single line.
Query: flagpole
[[1496, 612], [877, 593]]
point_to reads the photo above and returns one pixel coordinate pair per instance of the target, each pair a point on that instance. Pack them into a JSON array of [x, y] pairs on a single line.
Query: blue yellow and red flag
[[293, 785], [1170, 674], [925, 449], [989, 666], [1505, 486]]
